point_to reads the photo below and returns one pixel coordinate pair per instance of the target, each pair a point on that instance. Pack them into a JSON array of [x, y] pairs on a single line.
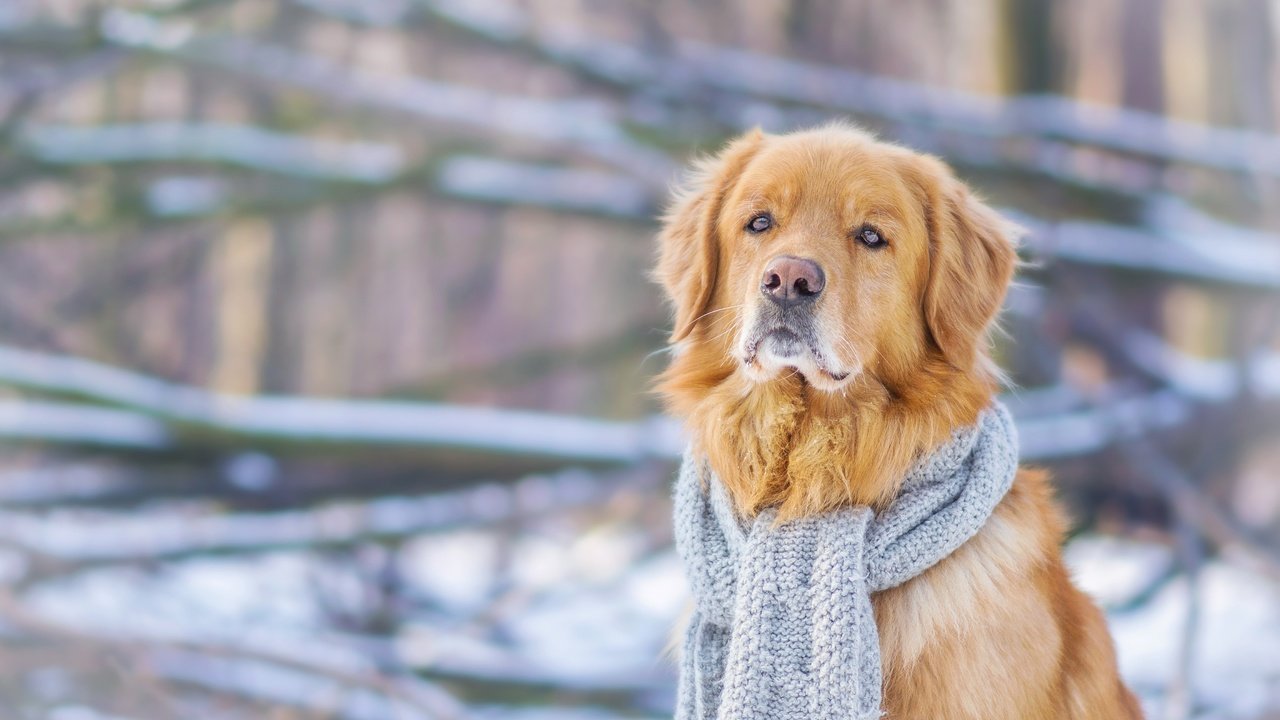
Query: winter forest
[[326, 332]]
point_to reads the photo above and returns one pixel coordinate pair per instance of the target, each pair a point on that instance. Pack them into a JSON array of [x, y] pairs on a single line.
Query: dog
[[834, 297]]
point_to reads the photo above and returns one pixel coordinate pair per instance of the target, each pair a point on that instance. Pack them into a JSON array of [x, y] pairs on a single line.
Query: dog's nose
[[791, 280]]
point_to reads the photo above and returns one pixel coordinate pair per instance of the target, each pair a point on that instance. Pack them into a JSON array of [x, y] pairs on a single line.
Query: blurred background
[[325, 332]]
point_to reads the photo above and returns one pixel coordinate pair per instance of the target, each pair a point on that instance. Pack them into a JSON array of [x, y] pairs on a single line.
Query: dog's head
[[832, 255]]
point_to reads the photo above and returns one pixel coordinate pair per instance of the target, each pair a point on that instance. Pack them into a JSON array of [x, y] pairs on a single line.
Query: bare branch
[[243, 145]]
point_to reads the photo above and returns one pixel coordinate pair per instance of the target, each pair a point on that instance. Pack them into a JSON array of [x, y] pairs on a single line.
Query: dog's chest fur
[[979, 619]]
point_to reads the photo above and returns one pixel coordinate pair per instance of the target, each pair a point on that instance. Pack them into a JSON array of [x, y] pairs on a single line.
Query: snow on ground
[[1236, 666], [580, 603]]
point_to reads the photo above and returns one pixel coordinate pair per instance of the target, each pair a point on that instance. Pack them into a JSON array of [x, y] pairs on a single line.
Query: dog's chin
[[782, 352]]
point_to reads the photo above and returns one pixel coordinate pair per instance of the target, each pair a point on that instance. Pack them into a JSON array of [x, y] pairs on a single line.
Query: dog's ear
[[972, 258], [688, 249]]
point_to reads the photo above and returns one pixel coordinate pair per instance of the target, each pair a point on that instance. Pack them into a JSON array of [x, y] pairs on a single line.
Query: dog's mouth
[[784, 343], [781, 347]]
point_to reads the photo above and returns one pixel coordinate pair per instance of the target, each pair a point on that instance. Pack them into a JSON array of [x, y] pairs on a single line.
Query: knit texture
[[783, 627]]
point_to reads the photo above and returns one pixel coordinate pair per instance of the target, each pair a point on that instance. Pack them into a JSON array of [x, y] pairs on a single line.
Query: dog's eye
[[871, 237], [760, 223]]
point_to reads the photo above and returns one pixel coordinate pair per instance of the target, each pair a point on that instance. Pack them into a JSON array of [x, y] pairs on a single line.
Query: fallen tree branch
[[695, 68], [310, 420], [360, 691], [1181, 693], [61, 542], [575, 125], [1197, 509], [243, 145]]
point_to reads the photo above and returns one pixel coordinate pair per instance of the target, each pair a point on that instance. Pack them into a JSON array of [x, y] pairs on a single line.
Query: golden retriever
[[890, 273]]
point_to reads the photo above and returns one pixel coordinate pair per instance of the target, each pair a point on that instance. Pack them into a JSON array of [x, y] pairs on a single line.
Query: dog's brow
[[873, 209], [755, 202]]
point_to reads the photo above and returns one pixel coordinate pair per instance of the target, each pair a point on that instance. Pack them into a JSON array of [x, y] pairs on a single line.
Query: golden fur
[[898, 356]]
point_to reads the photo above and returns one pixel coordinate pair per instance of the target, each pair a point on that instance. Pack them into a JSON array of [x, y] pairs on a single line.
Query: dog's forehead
[[853, 173]]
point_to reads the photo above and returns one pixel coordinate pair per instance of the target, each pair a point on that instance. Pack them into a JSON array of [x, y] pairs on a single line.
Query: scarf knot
[[783, 626]]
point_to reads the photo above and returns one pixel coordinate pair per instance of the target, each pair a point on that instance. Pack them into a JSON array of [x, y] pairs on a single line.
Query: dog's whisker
[[719, 310], [733, 327]]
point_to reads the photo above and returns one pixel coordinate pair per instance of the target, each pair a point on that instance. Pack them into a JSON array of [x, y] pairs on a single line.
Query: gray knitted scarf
[[783, 627]]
